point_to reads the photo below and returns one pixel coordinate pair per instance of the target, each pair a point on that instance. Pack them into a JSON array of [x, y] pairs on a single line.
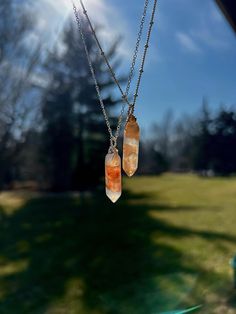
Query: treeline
[[52, 132], [204, 143]]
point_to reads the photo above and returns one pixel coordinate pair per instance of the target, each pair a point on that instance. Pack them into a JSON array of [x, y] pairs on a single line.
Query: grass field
[[166, 245]]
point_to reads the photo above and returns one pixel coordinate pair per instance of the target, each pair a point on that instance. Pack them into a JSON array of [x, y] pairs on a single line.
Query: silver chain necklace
[[131, 132], [113, 138], [124, 95]]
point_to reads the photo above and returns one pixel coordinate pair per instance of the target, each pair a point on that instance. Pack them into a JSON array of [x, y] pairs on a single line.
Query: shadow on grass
[[96, 256]]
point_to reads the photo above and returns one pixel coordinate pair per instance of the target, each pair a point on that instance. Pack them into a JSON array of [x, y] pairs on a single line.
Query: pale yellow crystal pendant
[[113, 175], [131, 146]]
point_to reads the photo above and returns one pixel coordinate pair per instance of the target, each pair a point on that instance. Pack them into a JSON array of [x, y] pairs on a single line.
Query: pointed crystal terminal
[[113, 175], [131, 146]]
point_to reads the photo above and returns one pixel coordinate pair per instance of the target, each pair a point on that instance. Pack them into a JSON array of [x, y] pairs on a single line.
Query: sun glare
[[65, 5], [102, 13]]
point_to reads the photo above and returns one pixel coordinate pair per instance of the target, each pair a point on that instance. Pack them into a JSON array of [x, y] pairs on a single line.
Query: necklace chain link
[[144, 55], [137, 47], [94, 76]]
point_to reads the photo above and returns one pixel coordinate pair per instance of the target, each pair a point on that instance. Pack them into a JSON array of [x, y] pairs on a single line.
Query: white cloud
[[212, 30], [212, 39], [188, 43], [207, 33]]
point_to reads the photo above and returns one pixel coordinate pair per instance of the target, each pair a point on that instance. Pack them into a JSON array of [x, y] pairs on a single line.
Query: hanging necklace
[[131, 133]]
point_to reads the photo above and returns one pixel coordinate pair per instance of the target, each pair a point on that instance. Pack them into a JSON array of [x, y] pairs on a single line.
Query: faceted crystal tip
[[113, 196], [130, 173], [114, 200]]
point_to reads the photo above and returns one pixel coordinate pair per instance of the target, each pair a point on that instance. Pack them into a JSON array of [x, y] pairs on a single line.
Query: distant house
[[228, 7]]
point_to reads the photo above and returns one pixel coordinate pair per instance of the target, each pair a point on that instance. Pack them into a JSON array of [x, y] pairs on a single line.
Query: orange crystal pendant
[[131, 146], [113, 175]]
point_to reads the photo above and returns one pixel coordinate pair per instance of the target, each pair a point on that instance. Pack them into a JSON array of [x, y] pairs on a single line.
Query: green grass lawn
[[166, 245]]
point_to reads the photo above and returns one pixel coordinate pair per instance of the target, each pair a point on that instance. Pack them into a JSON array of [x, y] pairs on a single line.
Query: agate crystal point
[[131, 146], [113, 175]]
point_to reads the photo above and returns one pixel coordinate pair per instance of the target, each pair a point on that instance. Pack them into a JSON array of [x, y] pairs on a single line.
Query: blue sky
[[192, 54]]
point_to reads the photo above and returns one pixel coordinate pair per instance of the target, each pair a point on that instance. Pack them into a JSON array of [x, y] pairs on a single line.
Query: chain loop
[[113, 141]]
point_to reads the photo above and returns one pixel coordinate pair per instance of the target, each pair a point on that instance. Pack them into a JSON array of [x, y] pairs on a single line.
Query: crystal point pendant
[[131, 146], [113, 175]]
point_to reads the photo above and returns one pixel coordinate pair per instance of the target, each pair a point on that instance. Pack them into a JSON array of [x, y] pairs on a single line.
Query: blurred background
[[169, 242]]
